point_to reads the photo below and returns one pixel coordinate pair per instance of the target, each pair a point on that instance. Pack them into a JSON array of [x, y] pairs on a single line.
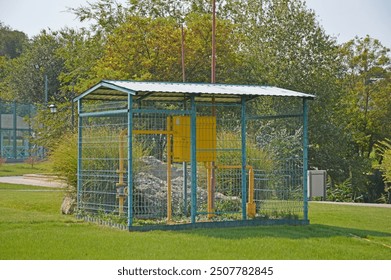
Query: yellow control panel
[[205, 138]]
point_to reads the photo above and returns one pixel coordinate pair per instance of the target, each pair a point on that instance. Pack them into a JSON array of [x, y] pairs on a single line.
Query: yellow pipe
[[250, 206], [169, 188], [121, 171]]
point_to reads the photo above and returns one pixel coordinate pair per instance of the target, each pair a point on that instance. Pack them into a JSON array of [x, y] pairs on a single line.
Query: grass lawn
[[31, 227], [18, 169]]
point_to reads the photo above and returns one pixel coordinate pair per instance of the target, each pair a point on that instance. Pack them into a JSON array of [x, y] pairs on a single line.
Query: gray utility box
[[317, 183]]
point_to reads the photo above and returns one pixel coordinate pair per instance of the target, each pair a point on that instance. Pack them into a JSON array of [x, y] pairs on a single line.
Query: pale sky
[[343, 19]]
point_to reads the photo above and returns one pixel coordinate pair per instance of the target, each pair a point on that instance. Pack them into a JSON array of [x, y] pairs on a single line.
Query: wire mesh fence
[[16, 132], [248, 161]]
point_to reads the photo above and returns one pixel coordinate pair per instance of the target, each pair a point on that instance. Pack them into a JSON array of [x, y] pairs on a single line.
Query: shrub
[[64, 159]]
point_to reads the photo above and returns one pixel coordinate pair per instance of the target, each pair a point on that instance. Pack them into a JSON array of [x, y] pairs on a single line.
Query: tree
[[12, 42], [26, 78], [366, 102], [364, 109], [81, 51], [150, 49]]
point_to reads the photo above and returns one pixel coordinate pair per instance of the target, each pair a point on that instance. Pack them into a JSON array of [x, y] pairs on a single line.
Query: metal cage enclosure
[[177, 155]]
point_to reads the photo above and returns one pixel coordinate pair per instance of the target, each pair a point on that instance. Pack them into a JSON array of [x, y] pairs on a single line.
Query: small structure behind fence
[[15, 131], [177, 155]]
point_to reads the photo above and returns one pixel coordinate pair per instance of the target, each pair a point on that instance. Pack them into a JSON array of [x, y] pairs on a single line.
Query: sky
[[343, 19]]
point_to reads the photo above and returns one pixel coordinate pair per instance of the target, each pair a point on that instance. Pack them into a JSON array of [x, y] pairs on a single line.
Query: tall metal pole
[[305, 158], [244, 158], [130, 161], [46, 90], [213, 81], [183, 54], [193, 159], [213, 76], [184, 164]]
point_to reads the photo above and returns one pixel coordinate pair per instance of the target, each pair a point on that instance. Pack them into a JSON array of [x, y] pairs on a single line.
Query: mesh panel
[[269, 184]]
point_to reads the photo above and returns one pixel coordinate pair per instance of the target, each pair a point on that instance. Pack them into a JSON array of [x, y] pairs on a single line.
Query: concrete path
[[33, 181], [382, 205]]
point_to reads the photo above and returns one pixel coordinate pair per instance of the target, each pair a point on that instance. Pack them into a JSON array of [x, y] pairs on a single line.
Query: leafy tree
[[366, 105], [150, 49], [12, 42], [26, 78], [364, 110], [104, 15], [81, 51]]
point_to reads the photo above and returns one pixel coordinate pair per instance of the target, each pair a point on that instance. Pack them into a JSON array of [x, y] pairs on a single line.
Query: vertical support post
[[185, 212], [193, 159], [183, 53], [79, 154], [213, 76], [244, 158], [46, 90], [14, 124], [1, 130], [169, 162], [305, 158], [30, 152], [209, 187], [130, 160], [184, 165]]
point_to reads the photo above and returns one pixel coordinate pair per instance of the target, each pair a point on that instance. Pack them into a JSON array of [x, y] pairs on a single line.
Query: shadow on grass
[[289, 232]]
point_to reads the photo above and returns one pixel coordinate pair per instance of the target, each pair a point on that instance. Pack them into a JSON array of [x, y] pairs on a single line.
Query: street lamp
[[53, 108]]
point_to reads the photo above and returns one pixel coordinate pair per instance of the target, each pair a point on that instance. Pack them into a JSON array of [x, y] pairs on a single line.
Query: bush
[[64, 159]]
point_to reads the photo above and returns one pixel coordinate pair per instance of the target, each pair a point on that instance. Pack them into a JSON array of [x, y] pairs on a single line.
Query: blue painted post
[[1, 131], [193, 159], [305, 157], [79, 154], [14, 134], [244, 160], [130, 161]]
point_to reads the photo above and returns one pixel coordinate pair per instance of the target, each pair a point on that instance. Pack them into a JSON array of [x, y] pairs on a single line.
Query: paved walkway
[[33, 181], [355, 204]]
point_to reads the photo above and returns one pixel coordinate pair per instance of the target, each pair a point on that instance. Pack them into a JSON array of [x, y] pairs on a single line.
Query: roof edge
[[103, 84]]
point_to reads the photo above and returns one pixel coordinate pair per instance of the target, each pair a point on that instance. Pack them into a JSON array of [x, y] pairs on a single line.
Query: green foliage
[[12, 42], [230, 141], [384, 149], [50, 127], [27, 72], [64, 155], [365, 104], [341, 192], [64, 159]]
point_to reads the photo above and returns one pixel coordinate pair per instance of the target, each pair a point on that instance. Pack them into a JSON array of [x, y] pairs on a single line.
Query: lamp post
[[53, 108]]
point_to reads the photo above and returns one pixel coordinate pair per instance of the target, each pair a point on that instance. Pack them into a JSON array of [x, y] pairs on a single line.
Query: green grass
[[18, 169], [31, 227]]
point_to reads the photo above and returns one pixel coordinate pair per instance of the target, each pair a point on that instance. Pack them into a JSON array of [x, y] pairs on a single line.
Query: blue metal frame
[[104, 113], [244, 159], [305, 158], [130, 161], [79, 154], [193, 159]]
